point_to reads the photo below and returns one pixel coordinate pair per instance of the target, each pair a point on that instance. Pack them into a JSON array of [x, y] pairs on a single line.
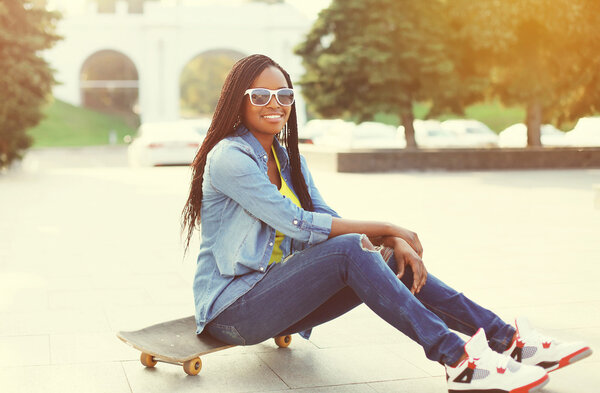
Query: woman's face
[[268, 120]]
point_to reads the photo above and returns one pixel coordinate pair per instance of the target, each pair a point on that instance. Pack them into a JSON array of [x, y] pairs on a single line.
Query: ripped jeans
[[327, 280]]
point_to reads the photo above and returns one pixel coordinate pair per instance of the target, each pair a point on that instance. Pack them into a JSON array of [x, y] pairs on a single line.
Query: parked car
[[367, 135], [167, 143], [585, 133], [431, 134], [516, 136], [315, 128], [471, 133]]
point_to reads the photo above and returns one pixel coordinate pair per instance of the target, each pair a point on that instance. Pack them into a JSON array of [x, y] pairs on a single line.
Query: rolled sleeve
[[233, 172]]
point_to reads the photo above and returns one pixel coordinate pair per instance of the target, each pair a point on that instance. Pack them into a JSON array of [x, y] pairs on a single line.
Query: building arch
[[109, 82]]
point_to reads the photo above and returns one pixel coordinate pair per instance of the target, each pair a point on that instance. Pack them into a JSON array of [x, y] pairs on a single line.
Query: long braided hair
[[226, 119]]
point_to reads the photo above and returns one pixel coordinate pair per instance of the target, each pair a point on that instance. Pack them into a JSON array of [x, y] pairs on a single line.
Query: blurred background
[[371, 73]]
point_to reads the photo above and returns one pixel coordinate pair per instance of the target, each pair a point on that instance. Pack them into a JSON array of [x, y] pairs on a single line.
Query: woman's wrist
[[390, 241]]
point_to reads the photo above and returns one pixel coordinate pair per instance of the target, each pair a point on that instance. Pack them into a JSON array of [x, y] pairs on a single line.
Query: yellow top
[[287, 192]]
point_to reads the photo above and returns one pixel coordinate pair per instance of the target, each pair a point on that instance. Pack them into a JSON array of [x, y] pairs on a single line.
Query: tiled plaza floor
[[85, 252]]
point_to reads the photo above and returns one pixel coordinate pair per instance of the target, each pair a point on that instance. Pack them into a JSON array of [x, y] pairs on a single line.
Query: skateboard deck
[[176, 342]]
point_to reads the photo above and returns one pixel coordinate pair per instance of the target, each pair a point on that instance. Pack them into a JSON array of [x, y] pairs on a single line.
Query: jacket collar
[[249, 138]]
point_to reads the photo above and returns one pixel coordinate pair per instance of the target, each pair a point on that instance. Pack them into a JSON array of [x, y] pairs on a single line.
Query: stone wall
[[452, 159]]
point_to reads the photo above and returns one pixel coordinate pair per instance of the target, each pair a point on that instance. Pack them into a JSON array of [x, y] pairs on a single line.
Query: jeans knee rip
[[366, 244]]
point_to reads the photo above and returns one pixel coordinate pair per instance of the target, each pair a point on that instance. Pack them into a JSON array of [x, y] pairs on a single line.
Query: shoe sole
[[532, 387], [572, 358]]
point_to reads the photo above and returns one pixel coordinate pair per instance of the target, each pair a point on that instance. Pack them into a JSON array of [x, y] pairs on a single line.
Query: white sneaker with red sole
[[533, 348], [486, 371]]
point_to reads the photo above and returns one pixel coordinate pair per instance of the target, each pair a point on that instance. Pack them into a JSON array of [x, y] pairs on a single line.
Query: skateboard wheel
[[147, 360], [283, 341], [192, 367]]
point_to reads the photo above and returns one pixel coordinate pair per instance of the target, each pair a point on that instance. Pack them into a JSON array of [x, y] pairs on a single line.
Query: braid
[[225, 120]]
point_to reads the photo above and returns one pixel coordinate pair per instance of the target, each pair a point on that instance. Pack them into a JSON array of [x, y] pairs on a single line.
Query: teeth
[[272, 116]]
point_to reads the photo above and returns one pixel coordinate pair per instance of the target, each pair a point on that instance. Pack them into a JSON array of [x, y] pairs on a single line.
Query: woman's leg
[[456, 310], [459, 312], [292, 290]]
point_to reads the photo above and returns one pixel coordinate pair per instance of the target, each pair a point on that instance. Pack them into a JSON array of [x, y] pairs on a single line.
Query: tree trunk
[[534, 124], [409, 130]]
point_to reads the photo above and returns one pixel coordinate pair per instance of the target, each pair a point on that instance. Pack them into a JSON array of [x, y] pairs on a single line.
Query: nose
[[273, 103]]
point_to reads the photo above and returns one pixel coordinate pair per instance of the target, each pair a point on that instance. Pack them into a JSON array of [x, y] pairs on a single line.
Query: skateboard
[[176, 342]]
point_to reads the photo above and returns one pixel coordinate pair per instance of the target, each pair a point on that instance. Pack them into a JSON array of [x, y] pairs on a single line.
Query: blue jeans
[[329, 279]]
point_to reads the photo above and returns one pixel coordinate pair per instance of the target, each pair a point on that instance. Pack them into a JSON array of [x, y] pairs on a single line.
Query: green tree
[[539, 55], [25, 78], [364, 57], [584, 99], [201, 81]]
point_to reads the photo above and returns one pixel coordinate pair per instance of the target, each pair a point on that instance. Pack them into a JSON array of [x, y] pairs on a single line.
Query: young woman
[[275, 259]]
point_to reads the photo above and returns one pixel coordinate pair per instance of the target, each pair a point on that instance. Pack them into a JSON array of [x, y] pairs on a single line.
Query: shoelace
[[535, 336], [500, 360]]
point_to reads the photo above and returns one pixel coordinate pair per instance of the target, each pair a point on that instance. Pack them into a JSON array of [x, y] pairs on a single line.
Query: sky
[[310, 8]]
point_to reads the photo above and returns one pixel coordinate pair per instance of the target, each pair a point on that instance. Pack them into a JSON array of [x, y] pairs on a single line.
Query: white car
[[431, 134], [585, 133], [343, 135], [471, 133], [167, 143], [516, 136], [315, 128]]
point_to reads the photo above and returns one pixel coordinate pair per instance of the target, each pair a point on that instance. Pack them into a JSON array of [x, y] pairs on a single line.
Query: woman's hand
[[406, 256], [411, 238]]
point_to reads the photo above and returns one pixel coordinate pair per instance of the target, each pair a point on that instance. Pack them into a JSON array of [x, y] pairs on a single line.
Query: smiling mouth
[[273, 116]]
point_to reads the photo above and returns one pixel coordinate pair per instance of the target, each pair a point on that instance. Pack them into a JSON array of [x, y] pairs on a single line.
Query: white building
[[164, 38]]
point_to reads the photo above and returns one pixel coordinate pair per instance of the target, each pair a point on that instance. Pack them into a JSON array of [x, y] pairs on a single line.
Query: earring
[[237, 122]]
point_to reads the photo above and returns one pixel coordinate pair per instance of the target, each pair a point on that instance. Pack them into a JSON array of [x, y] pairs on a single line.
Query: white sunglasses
[[260, 96]]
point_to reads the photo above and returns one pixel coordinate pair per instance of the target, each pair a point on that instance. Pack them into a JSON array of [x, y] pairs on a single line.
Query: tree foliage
[[539, 56], [368, 56], [25, 78]]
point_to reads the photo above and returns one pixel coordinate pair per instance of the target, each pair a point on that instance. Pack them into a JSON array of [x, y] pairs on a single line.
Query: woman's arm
[[378, 232]]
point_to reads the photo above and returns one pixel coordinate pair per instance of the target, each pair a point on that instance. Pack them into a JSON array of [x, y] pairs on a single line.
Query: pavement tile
[[507, 239], [349, 388], [53, 322], [89, 348], [335, 366], [239, 373], [421, 385], [350, 330], [582, 377], [82, 299], [140, 280], [138, 317], [18, 351], [556, 316], [88, 378], [540, 294]]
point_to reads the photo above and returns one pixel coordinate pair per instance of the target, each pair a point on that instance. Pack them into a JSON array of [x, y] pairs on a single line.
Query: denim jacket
[[241, 210]]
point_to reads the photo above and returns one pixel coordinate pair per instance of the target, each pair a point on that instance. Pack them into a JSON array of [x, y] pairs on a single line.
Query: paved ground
[[89, 250]]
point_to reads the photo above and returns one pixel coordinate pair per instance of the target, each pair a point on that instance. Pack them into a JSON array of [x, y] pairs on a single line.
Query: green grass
[[69, 125], [494, 114]]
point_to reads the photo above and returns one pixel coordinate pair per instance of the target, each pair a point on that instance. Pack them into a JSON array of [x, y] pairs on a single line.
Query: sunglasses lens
[[285, 96], [260, 97]]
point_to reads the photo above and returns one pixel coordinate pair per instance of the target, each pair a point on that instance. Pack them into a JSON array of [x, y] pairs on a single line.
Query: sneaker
[[487, 371], [533, 348]]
